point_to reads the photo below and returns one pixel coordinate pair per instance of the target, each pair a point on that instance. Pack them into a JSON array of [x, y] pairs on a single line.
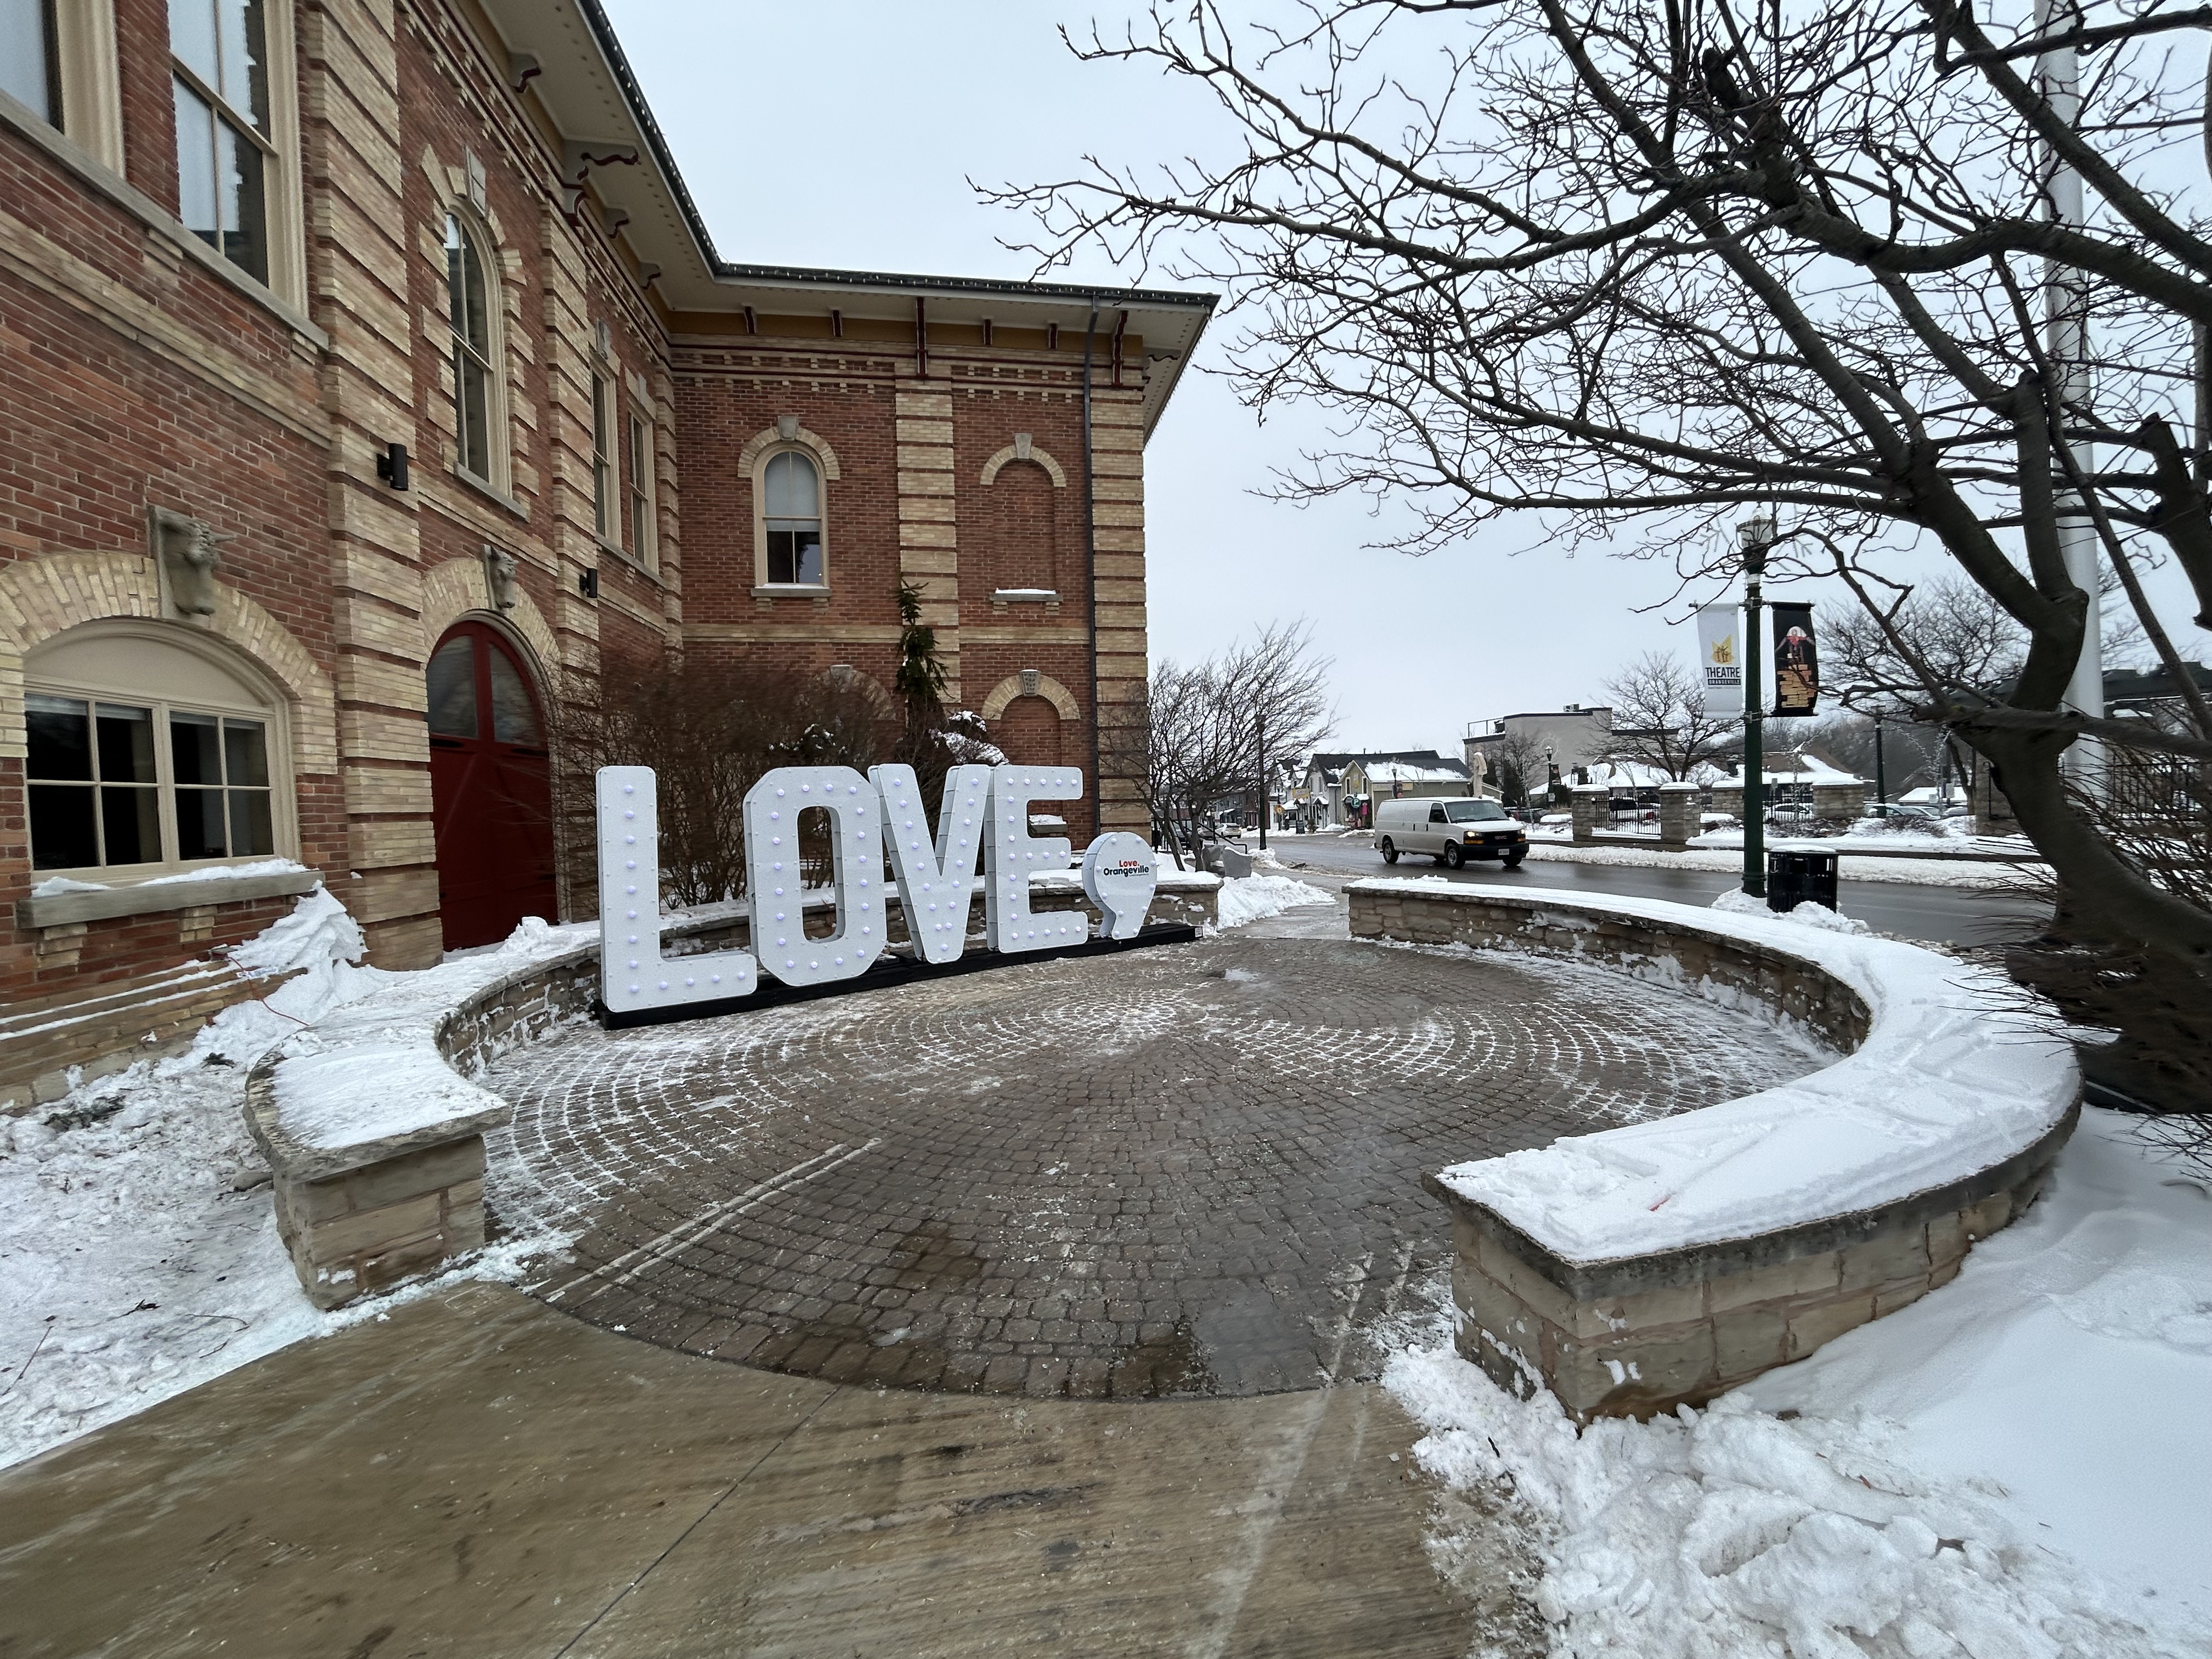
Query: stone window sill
[[629, 562], [486, 487], [791, 591], [151, 898], [1007, 596]]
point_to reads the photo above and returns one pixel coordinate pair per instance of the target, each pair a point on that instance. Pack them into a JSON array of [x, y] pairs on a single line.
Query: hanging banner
[[1796, 661], [1720, 655]]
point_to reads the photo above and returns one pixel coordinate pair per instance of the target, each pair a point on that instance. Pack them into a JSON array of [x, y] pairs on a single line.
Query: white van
[[1451, 831]]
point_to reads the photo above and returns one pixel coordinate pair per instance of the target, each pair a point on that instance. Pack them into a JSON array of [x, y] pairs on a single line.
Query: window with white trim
[[469, 316], [142, 757], [791, 518], [227, 155], [603, 457], [31, 57], [641, 525]]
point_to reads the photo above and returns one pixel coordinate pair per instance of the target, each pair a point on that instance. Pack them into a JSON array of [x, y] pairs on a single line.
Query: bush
[[709, 733]]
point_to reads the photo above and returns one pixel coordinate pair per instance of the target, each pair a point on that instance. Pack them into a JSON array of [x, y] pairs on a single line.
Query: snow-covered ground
[[2015, 1467], [1918, 872], [138, 1248]]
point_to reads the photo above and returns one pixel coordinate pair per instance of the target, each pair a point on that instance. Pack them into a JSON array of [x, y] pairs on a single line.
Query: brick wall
[[133, 374]]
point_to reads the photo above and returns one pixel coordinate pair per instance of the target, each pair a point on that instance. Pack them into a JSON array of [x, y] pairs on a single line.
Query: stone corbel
[[186, 554], [577, 159], [502, 578]]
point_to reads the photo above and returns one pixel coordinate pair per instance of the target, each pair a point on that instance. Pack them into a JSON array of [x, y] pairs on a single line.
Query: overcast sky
[[845, 132]]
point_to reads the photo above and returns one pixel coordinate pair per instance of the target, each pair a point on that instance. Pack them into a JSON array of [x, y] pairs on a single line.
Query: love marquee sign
[[985, 809]]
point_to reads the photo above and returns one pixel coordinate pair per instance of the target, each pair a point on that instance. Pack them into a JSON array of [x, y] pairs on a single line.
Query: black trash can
[[1794, 878]]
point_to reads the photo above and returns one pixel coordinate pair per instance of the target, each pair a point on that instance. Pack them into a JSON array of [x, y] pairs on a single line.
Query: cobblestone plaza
[[1190, 1170]]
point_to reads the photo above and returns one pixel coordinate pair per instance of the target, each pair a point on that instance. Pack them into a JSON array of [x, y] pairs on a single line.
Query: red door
[[490, 789]]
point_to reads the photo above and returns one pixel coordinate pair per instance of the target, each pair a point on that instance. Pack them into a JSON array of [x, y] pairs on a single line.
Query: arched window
[[468, 315], [147, 755], [791, 518]]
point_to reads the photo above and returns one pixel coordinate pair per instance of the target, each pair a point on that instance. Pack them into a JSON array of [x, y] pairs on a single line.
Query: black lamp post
[[1756, 534]]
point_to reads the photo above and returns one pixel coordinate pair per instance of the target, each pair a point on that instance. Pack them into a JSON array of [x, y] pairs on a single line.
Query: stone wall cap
[[1956, 1074]]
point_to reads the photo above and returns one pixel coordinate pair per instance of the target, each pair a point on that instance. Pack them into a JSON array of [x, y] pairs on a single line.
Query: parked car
[[1451, 831]]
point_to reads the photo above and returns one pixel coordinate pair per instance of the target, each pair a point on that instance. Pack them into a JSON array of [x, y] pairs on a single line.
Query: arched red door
[[491, 789]]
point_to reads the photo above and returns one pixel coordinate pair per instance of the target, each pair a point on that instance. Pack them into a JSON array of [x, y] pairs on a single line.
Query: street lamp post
[[1756, 534], [1880, 777], [1260, 726]]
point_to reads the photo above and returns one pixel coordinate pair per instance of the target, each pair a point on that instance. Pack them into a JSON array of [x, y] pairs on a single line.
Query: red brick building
[[251, 251]]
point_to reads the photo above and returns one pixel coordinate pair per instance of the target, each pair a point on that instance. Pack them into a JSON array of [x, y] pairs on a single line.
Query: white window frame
[[282, 193], [788, 446], [493, 356], [254, 702], [606, 412], [642, 497], [86, 74]]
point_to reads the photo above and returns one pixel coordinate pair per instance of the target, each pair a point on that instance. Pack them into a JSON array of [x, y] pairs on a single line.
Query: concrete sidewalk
[[479, 1475]]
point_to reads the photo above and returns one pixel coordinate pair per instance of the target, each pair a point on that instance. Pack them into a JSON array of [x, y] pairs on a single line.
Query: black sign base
[[889, 971]]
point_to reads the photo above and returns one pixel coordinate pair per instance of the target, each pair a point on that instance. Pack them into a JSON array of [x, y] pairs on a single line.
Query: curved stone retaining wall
[[363, 1214], [1662, 1264]]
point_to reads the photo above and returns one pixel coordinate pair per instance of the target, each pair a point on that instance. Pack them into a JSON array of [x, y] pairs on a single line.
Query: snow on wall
[[1958, 1072]]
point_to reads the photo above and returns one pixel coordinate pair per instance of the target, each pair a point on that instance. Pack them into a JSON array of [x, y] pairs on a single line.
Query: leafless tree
[[1660, 720], [1197, 740], [1284, 685], [1683, 262], [1518, 769], [709, 733]]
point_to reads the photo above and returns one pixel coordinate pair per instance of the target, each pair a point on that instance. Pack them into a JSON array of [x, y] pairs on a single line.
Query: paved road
[[1951, 915]]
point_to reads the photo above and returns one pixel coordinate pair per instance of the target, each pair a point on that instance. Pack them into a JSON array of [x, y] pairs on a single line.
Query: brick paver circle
[[1188, 1170]]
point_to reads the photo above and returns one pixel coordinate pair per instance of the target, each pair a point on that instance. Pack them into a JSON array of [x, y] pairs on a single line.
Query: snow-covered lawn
[[1918, 872], [2015, 1467]]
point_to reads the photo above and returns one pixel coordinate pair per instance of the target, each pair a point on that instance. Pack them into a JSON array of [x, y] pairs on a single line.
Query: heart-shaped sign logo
[[1120, 877]]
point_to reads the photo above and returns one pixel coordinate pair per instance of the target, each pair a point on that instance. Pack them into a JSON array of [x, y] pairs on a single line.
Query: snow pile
[[1253, 898], [369, 1067], [1947, 1476], [1957, 1073], [1737, 902], [54, 886], [232, 871]]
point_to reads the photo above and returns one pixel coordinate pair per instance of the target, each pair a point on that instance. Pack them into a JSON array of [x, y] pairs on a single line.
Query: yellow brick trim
[[1048, 688], [1012, 452], [42, 597], [456, 588]]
